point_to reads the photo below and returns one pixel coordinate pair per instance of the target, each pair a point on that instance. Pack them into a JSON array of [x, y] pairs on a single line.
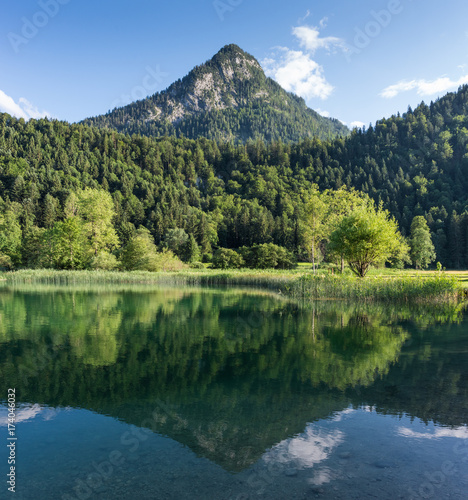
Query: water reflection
[[241, 378], [306, 450]]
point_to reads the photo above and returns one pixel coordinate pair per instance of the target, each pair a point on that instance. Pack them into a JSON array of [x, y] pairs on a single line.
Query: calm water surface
[[164, 393]]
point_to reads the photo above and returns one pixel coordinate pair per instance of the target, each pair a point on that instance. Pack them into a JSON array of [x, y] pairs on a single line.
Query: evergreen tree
[[422, 249], [176, 240], [192, 250]]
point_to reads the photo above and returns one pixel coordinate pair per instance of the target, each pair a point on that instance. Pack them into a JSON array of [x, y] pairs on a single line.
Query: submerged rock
[[382, 464]]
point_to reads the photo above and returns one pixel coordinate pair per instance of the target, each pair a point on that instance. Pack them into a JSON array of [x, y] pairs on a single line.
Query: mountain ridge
[[229, 98]]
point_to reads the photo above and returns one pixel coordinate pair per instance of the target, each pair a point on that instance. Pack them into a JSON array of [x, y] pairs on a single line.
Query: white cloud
[[339, 416], [22, 109], [322, 112], [296, 70], [308, 449], [25, 412], [457, 432], [323, 22], [357, 124], [309, 38], [424, 87], [302, 19]]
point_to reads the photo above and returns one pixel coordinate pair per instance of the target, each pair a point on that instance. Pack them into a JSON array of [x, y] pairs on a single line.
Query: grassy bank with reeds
[[264, 279], [395, 288], [383, 289]]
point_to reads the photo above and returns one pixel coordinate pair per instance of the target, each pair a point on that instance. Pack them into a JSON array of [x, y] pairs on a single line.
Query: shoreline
[[437, 287]]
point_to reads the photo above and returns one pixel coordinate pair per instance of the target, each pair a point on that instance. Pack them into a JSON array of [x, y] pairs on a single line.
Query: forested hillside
[[229, 195], [417, 164], [227, 98]]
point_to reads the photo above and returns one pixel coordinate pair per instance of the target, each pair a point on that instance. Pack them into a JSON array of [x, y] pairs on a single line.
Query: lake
[[144, 392]]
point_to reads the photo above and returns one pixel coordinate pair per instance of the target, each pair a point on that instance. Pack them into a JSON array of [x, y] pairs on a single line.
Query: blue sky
[[71, 59]]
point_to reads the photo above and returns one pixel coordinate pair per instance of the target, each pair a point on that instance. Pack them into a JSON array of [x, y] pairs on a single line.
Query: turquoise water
[[137, 392]]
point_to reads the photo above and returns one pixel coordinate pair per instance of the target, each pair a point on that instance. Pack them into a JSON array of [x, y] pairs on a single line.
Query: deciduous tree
[[365, 237]]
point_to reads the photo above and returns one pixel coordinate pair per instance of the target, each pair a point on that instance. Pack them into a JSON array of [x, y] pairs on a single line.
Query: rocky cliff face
[[214, 86]]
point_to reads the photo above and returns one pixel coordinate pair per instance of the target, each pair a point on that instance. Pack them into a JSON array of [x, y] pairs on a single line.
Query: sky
[[72, 59]]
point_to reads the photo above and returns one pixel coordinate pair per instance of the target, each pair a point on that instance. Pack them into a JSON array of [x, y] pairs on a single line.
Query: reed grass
[[383, 289], [440, 287], [262, 279]]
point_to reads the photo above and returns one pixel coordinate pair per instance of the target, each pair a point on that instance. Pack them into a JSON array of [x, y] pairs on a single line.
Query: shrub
[[268, 256], [5, 262], [134, 255], [163, 261], [197, 265], [225, 258], [140, 254], [207, 257], [104, 261]]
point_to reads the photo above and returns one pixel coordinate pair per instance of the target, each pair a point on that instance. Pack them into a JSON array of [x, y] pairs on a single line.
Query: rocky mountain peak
[[232, 83]]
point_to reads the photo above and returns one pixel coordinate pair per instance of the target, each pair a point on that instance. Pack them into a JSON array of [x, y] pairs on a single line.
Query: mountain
[[227, 98]]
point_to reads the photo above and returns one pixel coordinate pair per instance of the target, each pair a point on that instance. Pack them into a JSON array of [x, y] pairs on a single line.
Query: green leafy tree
[[176, 240], [136, 254], [422, 249], [96, 208], [140, 254], [316, 227], [206, 234], [366, 237], [10, 239], [69, 244], [36, 247], [72, 206], [341, 203]]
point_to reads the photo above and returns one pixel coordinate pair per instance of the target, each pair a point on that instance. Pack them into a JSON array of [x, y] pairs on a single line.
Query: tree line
[[222, 195]]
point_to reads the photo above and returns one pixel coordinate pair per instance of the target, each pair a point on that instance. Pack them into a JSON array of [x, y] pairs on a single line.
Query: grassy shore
[[417, 289], [299, 283], [264, 279]]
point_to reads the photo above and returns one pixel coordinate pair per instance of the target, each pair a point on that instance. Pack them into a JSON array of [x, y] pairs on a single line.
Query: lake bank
[[421, 288]]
